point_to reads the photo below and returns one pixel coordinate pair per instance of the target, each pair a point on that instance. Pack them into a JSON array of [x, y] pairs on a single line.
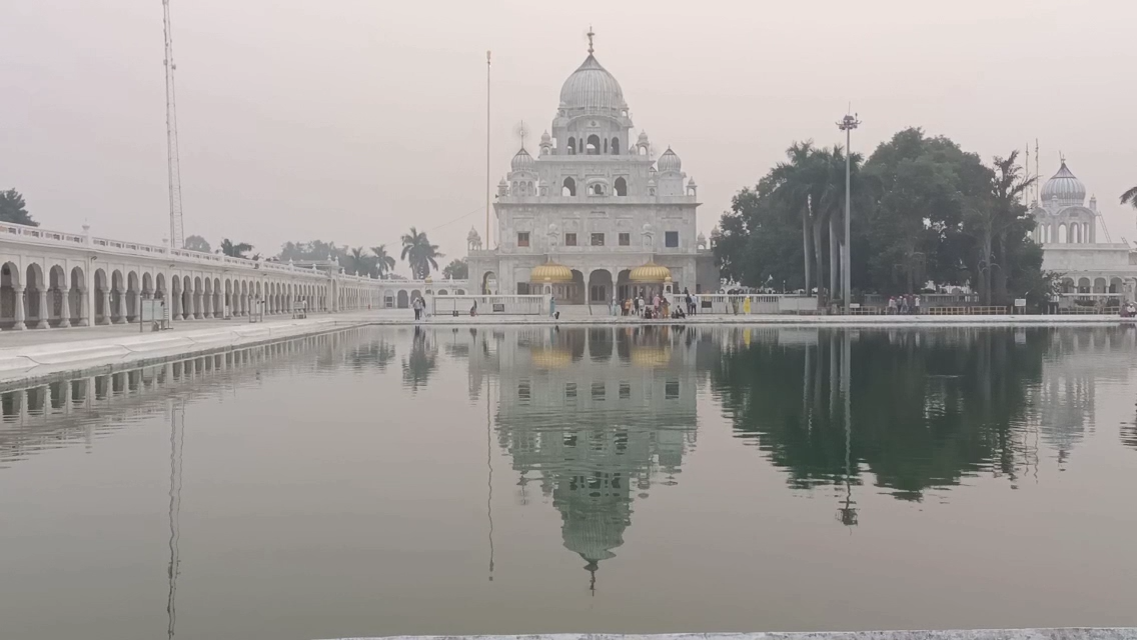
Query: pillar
[[42, 323], [84, 308], [120, 308], [19, 325], [198, 304], [106, 306], [65, 310]]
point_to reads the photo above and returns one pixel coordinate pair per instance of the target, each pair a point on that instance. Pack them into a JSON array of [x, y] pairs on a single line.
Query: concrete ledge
[[38, 360], [1073, 633]]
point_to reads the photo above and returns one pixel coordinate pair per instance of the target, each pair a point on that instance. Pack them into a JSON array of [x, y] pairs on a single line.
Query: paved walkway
[[1072, 633], [570, 315]]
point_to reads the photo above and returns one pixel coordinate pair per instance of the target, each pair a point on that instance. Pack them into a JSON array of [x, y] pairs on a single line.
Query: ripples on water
[[592, 423]]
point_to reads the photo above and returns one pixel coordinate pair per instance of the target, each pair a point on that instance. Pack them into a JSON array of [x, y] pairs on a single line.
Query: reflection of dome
[[522, 161], [669, 161], [550, 272], [649, 273], [550, 358], [591, 87], [1066, 187], [649, 357]]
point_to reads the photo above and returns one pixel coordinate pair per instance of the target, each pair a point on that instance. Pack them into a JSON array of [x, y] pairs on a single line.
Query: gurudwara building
[[1068, 230], [594, 216]]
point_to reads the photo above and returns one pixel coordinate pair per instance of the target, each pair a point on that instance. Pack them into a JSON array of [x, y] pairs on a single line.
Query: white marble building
[[596, 204], [57, 279], [1068, 231]]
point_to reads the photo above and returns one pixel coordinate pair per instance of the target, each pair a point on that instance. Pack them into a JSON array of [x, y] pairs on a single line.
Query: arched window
[[615, 146], [643, 151], [621, 187], [593, 145], [1063, 238], [597, 189], [572, 146], [569, 187]]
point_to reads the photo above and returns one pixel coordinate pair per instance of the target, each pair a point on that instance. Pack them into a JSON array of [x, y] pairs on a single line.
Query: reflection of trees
[[926, 407], [421, 362]]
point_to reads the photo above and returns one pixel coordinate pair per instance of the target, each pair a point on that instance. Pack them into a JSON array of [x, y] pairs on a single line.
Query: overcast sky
[[351, 120]]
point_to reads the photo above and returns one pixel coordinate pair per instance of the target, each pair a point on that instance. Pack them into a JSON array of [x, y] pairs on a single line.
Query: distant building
[[1069, 234], [594, 215]]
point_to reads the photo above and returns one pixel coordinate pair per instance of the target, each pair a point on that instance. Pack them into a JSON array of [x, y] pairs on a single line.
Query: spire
[[590, 34]]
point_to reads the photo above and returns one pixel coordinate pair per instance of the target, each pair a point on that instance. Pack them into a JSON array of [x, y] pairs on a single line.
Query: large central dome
[[592, 88], [1064, 186]]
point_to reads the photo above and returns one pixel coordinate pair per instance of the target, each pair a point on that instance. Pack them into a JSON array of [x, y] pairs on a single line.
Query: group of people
[[656, 306], [904, 305]]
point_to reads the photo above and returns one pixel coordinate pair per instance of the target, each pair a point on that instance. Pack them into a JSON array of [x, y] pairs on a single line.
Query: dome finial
[[590, 34]]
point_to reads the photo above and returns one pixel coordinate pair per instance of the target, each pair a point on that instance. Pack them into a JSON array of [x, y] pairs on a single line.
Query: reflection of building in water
[[596, 415], [70, 409], [1078, 362]]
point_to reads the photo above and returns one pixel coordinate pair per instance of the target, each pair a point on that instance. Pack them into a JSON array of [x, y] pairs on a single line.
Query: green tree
[[419, 253], [1130, 197], [198, 243], [13, 209], [384, 263], [458, 269], [359, 263], [313, 251], [237, 250], [754, 242]]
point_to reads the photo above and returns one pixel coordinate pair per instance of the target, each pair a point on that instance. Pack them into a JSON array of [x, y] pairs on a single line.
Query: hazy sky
[[351, 120]]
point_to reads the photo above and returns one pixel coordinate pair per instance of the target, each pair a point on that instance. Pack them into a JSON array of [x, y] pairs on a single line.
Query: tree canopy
[[384, 263], [456, 270], [313, 251], [235, 250], [198, 243], [13, 209], [420, 255], [923, 210]]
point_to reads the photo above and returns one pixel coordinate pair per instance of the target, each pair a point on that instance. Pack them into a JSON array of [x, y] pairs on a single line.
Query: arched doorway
[[403, 299], [599, 286], [489, 283]]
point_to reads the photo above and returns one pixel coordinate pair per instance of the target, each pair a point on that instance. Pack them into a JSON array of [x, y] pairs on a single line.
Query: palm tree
[[419, 253], [384, 262], [1130, 197], [360, 262], [235, 250]]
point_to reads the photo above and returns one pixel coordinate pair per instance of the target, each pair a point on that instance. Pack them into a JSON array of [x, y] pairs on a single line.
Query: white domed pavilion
[[594, 200]]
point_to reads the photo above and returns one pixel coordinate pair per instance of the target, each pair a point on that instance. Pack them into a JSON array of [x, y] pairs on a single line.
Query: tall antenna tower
[[174, 171]]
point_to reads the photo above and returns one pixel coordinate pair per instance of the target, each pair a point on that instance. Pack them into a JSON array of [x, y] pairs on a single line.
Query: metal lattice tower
[[174, 177]]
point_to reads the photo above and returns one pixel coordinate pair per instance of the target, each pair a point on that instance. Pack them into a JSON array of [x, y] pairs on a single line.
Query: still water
[[443, 481]]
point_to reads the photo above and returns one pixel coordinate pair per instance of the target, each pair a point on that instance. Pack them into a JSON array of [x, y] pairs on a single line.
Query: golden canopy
[[649, 273], [550, 272]]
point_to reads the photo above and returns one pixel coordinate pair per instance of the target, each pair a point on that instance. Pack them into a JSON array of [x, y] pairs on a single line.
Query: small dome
[[522, 161], [669, 162], [1068, 189], [643, 137], [650, 273], [691, 182], [550, 272], [592, 88]]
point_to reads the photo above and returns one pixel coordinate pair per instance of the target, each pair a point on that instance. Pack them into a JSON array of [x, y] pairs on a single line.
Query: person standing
[[916, 304], [416, 304]]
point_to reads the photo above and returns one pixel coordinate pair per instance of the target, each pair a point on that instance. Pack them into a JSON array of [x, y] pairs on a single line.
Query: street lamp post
[[847, 124]]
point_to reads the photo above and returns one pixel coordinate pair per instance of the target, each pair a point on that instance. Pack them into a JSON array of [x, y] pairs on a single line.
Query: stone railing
[[41, 236]]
